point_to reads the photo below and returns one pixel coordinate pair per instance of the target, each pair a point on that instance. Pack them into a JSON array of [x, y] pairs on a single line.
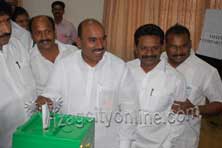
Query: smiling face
[[5, 30], [148, 51], [177, 48], [43, 33], [92, 42]]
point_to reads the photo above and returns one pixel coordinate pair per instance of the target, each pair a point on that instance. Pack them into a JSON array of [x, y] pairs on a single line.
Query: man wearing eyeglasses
[[158, 84], [203, 82]]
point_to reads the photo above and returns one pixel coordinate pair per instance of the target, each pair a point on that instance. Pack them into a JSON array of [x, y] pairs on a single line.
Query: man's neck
[[51, 53], [146, 68], [173, 64], [58, 20], [88, 62]]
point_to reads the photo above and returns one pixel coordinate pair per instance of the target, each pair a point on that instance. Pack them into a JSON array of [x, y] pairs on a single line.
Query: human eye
[[171, 47], [48, 31], [156, 47], [37, 33], [142, 47], [92, 39], [185, 45]]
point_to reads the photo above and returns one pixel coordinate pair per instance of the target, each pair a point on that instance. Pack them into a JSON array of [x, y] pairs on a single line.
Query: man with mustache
[[47, 49], [65, 30], [158, 84], [94, 82], [203, 81], [16, 81]]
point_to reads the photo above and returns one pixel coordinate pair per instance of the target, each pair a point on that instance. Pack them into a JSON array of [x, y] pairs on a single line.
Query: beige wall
[[75, 11]]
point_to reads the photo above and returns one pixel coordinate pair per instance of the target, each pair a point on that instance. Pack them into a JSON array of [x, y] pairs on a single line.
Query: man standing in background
[[21, 17], [47, 50], [65, 30], [203, 81]]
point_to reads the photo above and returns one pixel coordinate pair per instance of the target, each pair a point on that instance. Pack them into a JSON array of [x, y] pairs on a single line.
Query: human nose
[[100, 43], [5, 28], [149, 51], [43, 35]]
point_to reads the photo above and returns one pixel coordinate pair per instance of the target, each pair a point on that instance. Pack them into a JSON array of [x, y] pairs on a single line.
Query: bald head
[[41, 18], [88, 22]]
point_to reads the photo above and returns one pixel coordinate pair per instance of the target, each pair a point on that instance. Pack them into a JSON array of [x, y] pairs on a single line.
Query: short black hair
[[19, 11], [5, 8], [88, 20], [177, 29], [148, 29], [33, 18], [58, 3]]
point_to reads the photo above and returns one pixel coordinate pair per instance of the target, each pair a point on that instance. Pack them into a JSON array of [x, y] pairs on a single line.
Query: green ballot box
[[65, 131]]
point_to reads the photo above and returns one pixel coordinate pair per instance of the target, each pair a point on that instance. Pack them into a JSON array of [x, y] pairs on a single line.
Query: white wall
[[75, 11]]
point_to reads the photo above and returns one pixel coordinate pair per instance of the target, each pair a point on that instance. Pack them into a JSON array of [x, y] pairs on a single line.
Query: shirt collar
[[35, 50], [160, 66], [165, 58]]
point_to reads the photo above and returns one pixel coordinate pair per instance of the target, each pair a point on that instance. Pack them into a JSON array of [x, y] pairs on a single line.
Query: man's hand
[[185, 107], [43, 100]]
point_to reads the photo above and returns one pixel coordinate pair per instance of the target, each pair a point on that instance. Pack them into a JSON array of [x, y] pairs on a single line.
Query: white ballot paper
[[45, 117]]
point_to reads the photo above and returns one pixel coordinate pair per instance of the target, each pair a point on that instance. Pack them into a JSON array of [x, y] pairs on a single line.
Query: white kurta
[[203, 81], [17, 87], [22, 35], [157, 90], [41, 67], [96, 91]]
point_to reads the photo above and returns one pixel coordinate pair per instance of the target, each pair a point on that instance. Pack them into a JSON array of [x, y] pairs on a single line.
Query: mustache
[[42, 41], [144, 57], [98, 49], [5, 34]]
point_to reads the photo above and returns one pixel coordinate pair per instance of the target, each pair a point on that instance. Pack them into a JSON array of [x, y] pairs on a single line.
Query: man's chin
[[180, 60], [4, 41], [99, 54]]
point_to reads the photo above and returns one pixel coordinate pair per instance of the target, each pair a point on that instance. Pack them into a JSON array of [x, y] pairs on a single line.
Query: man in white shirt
[[203, 82], [22, 35], [94, 82], [65, 30], [158, 84], [16, 81], [46, 51]]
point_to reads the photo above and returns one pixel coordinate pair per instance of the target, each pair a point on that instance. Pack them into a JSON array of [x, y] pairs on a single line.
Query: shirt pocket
[[105, 97], [194, 94], [160, 101]]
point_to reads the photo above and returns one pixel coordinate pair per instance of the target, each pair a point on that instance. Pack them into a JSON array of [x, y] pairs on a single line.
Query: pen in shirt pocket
[[17, 63], [151, 92]]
